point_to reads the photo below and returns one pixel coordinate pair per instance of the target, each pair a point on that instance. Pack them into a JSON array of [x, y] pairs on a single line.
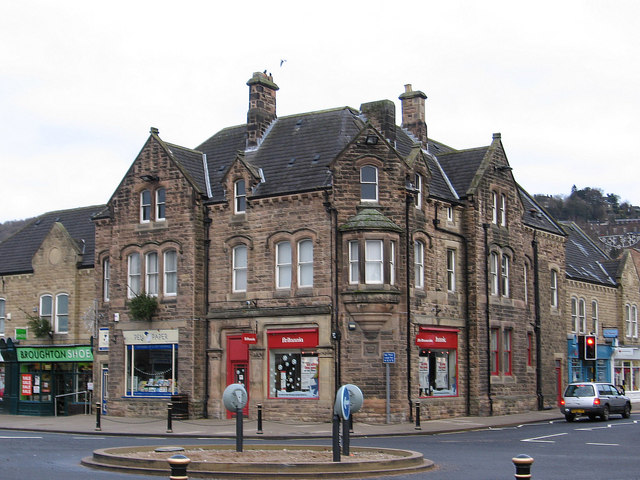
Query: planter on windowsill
[[143, 306]]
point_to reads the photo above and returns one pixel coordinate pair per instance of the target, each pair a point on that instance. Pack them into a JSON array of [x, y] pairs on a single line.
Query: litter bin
[[180, 407]]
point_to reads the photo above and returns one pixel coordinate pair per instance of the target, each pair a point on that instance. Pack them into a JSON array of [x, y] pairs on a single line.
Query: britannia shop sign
[[55, 354]]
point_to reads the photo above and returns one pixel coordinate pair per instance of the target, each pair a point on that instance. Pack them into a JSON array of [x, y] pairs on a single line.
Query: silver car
[[594, 400]]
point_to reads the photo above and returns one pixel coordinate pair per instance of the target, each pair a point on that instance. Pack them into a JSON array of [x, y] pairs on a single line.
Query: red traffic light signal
[[590, 347]]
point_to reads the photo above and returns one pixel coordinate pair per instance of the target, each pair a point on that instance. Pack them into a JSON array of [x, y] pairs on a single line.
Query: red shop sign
[[293, 338], [437, 339], [249, 338]]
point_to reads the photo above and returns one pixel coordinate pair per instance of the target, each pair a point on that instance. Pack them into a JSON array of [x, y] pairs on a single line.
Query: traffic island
[[258, 461]]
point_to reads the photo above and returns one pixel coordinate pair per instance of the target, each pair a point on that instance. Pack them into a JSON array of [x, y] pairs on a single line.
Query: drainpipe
[[408, 206], [335, 334], [485, 226], [207, 246], [467, 334], [537, 324]]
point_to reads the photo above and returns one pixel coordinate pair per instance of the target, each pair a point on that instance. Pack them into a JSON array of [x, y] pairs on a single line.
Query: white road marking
[[605, 444], [20, 438], [538, 439]]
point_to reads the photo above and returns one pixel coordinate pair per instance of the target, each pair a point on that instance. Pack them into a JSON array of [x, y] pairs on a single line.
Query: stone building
[[47, 314], [291, 253]]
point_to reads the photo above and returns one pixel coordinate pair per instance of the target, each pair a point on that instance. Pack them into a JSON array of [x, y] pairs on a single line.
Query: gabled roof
[[585, 261], [462, 166], [535, 216], [192, 164], [17, 251]]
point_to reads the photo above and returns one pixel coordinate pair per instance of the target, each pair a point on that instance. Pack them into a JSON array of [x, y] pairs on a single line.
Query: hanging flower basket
[[143, 306]]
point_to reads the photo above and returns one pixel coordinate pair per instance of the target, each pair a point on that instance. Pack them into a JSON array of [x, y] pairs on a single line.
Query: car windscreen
[[579, 391]]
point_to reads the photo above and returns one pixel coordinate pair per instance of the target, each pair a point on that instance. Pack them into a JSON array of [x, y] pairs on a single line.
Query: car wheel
[[605, 413], [626, 413], [570, 417]]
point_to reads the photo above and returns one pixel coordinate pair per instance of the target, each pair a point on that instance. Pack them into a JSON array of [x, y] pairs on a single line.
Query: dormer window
[[368, 183], [239, 197], [145, 206]]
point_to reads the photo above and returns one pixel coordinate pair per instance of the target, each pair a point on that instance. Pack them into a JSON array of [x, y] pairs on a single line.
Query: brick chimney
[[262, 106], [382, 115], [413, 117]]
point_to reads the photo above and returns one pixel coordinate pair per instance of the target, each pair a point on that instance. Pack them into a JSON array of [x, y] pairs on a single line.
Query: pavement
[[208, 428]]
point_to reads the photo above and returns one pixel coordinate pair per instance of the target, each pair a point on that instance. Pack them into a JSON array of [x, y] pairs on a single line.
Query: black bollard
[[169, 414], [238, 430], [336, 438], [523, 466], [98, 412], [418, 427], [178, 464], [345, 437], [351, 423], [259, 431]]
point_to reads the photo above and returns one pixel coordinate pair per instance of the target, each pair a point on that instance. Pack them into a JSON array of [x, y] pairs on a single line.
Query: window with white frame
[[418, 187], [151, 274], [368, 183], [2, 316], [451, 270], [373, 261], [450, 214], [631, 319], [575, 325], [503, 210], [62, 313], [494, 206], [578, 315], [160, 204], [46, 309], [504, 276], [418, 261], [354, 263], [239, 281], [594, 317], [493, 273], [133, 275], [240, 196], [283, 265], [582, 315], [554, 288], [305, 263], [145, 206], [106, 278], [170, 272], [392, 263]]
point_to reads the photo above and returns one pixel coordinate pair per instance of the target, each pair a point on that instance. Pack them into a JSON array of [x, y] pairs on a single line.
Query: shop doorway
[[238, 366], [558, 382], [63, 392]]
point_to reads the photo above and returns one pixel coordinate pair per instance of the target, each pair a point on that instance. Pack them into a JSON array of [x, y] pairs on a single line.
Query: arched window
[[62, 313], [151, 271], [133, 275]]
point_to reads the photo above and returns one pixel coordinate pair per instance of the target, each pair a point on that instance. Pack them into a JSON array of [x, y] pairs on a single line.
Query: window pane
[[171, 272], [151, 370], [240, 197], [152, 274], [62, 313], [160, 203], [293, 373], [46, 306], [240, 269], [305, 263], [2, 316], [373, 261], [106, 272], [451, 270], [134, 275], [418, 252], [283, 264], [369, 183], [354, 266], [145, 206]]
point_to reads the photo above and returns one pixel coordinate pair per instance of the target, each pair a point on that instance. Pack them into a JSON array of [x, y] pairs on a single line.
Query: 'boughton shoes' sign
[[78, 353]]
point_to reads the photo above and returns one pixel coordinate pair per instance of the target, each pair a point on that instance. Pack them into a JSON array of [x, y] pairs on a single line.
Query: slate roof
[[17, 251], [585, 261], [462, 166], [535, 216]]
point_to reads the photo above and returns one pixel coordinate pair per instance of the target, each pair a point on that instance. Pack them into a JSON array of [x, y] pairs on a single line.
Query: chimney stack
[[382, 115], [413, 117], [262, 106]]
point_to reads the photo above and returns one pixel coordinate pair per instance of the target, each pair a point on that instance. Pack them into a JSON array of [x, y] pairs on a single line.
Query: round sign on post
[[342, 407], [234, 397]]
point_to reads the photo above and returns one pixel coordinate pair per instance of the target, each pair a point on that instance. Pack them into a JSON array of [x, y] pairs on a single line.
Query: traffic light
[[590, 347]]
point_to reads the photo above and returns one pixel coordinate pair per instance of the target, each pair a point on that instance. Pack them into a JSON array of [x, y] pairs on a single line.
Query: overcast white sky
[[81, 82]]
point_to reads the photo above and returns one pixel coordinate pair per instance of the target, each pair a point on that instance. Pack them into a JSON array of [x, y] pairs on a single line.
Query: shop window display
[[294, 373], [438, 373], [151, 370]]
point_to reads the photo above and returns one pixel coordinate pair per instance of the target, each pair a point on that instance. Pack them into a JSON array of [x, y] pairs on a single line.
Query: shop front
[[293, 363], [626, 366], [437, 362], [48, 380], [581, 370]]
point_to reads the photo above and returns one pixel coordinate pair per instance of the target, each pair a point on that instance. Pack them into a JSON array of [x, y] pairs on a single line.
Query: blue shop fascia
[[598, 370]]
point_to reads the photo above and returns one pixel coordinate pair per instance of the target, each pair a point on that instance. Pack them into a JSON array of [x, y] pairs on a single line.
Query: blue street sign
[[389, 357]]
